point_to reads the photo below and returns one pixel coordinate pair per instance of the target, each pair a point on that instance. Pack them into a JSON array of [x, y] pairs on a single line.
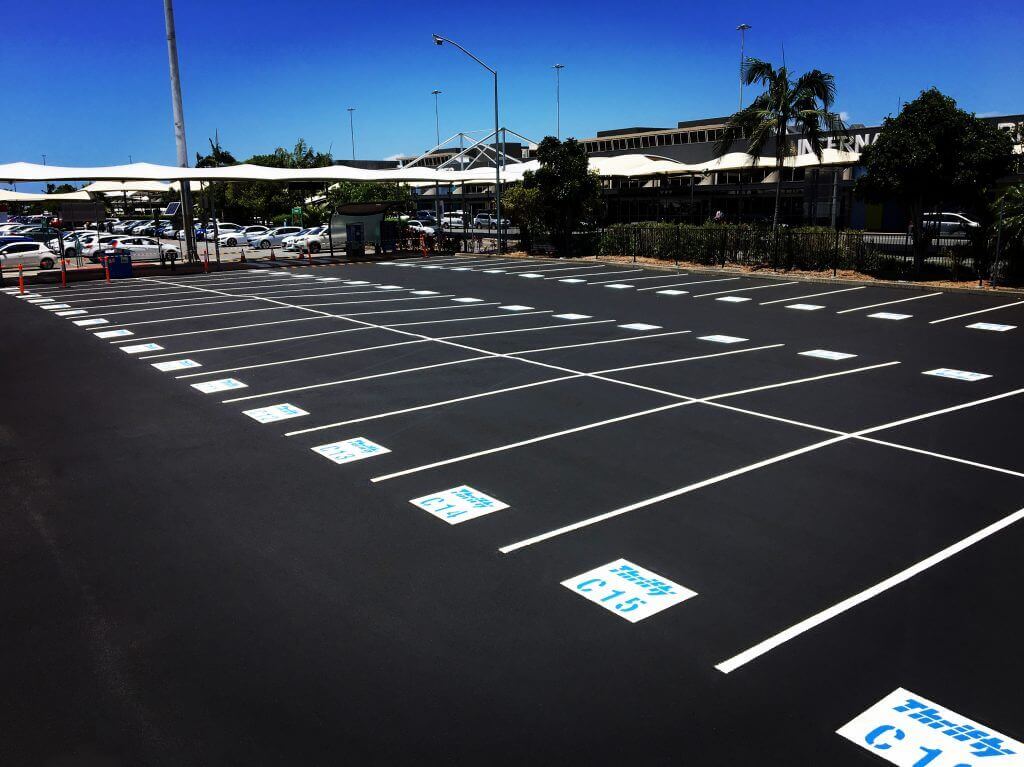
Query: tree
[[523, 208], [934, 154], [568, 193], [804, 104], [60, 188]]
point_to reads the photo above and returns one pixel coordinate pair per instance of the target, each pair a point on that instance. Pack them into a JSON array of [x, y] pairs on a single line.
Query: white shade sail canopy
[[630, 165]]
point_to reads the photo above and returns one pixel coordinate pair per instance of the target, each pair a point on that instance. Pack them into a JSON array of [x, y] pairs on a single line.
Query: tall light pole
[[44, 159], [437, 142], [352, 130], [558, 100], [742, 29], [179, 128], [438, 40]]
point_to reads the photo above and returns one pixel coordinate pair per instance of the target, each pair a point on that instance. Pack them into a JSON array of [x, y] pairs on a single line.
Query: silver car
[[274, 238]]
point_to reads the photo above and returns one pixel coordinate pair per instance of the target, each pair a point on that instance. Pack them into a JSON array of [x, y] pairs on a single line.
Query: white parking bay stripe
[[810, 295], [503, 316], [233, 327], [201, 316], [887, 303], [979, 311], [743, 290], [681, 284], [592, 274], [172, 308], [525, 330], [639, 279], [257, 343], [379, 300], [598, 343]]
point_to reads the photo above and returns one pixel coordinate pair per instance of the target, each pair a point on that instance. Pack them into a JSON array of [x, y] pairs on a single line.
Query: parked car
[[314, 240], [418, 227], [232, 238], [272, 238], [289, 242], [89, 245], [454, 218], [948, 223], [121, 226], [27, 254], [488, 221], [426, 216], [143, 248], [146, 227], [6, 239]]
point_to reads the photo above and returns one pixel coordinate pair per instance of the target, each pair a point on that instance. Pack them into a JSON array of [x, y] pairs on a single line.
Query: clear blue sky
[[86, 82]]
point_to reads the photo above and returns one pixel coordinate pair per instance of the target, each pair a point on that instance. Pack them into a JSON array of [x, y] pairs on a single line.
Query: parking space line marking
[[236, 327], [200, 316], [593, 274], [887, 303], [979, 311], [810, 295], [524, 330], [741, 290], [685, 359], [408, 311], [681, 284], [378, 300], [752, 653], [181, 297], [171, 308], [740, 471], [360, 378], [638, 279], [259, 343], [428, 405], [466, 319], [597, 343], [535, 266]]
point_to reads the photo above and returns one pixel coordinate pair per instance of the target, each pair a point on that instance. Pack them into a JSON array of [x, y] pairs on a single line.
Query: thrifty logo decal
[[458, 504], [350, 450], [628, 590], [275, 413]]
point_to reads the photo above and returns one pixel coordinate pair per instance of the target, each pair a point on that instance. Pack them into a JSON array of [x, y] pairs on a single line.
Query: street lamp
[[558, 100], [352, 130], [437, 136], [438, 40], [742, 29]]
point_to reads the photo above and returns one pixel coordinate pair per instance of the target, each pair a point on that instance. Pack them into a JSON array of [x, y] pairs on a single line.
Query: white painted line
[[628, 590], [175, 365], [201, 316], [408, 311], [71, 313], [572, 280], [463, 319], [350, 450], [806, 307], [685, 359], [239, 327], [979, 311], [684, 284], [467, 300], [745, 657], [742, 290], [887, 303], [425, 293], [390, 287], [810, 295], [671, 292], [745, 470], [825, 354], [39, 300], [458, 504], [599, 343], [731, 299], [516, 308], [572, 316], [959, 375], [376, 301], [619, 286], [259, 343], [719, 339], [139, 348], [523, 330], [991, 326], [890, 316], [273, 413], [639, 326], [55, 307], [596, 274], [430, 405], [170, 308], [531, 275], [222, 384], [90, 322], [639, 279], [113, 333], [360, 378], [530, 441]]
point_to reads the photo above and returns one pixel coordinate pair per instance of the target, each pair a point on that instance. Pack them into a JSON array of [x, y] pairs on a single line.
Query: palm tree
[[804, 104]]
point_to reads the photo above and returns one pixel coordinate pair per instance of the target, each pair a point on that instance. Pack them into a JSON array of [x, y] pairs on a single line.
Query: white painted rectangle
[[273, 413], [460, 269], [719, 339], [26, 296], [806, 307], [430, 267], [424, 292], [571, 316], [572, 280], [619, 286], [350, 450], [628, 590], [176, 365], [39, 300], [139, 348], [959, 375], [71, 313], [331, 279], [825, 354], [467, 300], [221, 384], [671, 292], [356, 282], [733, 299], [908, 730], [494, 271], [303, 276], [53, 307], [458, 504], [994, 326], [890, 316], [114, 333], [389, 287], [516, 308], [531, 276], [91, 321], [639, 326]]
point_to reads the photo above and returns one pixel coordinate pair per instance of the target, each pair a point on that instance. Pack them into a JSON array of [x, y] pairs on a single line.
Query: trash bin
[[119, 262]]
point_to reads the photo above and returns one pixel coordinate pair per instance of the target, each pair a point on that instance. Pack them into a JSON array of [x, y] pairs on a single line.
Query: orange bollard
[[21, 280], [63, 273], [206, 265], [106, 267]]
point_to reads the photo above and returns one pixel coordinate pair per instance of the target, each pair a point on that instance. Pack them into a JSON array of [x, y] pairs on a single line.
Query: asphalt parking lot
[[465, 510]]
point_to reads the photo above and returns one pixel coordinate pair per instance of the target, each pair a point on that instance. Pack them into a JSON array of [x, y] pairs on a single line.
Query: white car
[[313, 240], [233, 238], [456, 218], [288, 242], [27, 254], [418, 227], [144, 248], [948, 223], [272, 238]]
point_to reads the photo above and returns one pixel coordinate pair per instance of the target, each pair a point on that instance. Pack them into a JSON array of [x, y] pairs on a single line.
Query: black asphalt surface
[[183, 585]]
